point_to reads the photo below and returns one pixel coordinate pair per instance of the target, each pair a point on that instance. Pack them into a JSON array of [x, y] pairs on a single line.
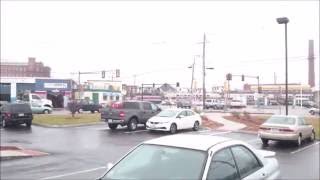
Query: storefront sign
[[56, 85]]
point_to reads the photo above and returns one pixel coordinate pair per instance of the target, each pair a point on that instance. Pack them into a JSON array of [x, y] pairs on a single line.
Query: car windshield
[[281, 120], [159, 162], [167, 113]]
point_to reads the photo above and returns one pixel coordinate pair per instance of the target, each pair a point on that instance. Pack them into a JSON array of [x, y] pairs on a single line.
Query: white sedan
[[174, 119], [195, 157]]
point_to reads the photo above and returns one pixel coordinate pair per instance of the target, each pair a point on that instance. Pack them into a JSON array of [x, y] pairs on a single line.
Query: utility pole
[[275, 77], [204, 72], [192, 78]]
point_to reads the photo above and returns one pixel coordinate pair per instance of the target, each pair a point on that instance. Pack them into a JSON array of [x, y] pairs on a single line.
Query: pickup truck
[[85, 105], [34, 98], [129, 113]]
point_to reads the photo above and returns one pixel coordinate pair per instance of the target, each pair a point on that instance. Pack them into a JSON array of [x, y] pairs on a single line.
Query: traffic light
[[259, 89], [177, 84], [117, 73], [242, 77], [229, 76], [153, 85], [103, 74]]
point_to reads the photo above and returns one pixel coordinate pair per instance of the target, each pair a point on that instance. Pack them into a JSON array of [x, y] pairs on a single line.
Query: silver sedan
[[195, 157], [286, 128]]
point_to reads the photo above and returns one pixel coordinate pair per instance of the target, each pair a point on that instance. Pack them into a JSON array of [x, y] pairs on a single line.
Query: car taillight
[[122, 114], [116, 105], [286, 130], [264, 128]]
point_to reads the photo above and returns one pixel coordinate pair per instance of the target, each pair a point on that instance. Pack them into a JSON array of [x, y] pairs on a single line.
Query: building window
[[117, 98], [105, 97], [111, 98]]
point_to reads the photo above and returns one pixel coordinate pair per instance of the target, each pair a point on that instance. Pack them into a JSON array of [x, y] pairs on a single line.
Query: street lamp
[[285, 21]]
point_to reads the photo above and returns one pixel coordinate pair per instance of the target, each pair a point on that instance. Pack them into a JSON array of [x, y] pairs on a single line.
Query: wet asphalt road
[[83, 152]]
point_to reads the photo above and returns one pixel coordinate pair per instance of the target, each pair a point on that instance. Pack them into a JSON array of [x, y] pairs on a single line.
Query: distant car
[[314, 111], [286, 128], [15, 113], [38, 108], [273, 102], [183, 103], [192, 157], [174, 119], [214, 104], [237, 104]]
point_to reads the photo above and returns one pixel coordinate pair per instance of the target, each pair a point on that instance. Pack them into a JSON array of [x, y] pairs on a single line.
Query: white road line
[[302, 149], [77, 172], [218, 133], [136, 131]]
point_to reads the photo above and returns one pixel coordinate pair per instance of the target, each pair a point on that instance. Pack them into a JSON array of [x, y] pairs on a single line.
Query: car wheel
[[196, 126], [299, 141], [265, 142], [133, 124], [28, 123], [4, 124], [80, 110], [113, 126], [92, 111], [46, 111], [173, 128]]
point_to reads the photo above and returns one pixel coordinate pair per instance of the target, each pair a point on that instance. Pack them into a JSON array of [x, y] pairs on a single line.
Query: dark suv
[[15, 113]]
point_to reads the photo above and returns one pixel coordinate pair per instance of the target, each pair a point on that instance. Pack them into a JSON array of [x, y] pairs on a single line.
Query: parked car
[[15, 113], [129, 113], [184, 103], [174, 119], [237, 104], [214, 104], [286, 128], [194, 157], [85, 105], [39, 108], [314, 111]]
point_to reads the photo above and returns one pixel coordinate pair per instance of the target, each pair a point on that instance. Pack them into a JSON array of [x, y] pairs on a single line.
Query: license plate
[[109, 120], [21, 114]]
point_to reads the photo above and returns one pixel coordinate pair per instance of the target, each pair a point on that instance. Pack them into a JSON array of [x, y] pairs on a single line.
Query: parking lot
[[83, 152]]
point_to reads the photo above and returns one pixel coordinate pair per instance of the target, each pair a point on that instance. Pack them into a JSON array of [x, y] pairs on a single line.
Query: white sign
[[56, 85]]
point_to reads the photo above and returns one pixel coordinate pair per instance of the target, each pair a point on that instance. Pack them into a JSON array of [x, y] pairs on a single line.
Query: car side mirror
[[159, 109], [181, 116], [109, 166]]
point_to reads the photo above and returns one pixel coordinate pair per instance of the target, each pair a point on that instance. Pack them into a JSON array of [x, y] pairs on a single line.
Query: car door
[[248, 165], [36, 107], [182, 120], [191, 118], [305, 129], [223, 166]]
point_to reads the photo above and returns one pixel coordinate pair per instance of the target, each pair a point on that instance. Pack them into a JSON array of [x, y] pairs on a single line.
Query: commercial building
[[59, 91], [24, 69], [100, 91]]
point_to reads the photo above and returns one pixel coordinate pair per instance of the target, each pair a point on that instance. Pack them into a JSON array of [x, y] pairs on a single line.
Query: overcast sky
[[158, 40]]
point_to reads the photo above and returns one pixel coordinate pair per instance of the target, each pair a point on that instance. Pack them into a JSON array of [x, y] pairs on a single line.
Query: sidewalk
[[13, 152], [227, 125]]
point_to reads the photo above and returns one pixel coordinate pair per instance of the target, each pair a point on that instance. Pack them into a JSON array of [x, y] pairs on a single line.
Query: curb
[[67, 126]]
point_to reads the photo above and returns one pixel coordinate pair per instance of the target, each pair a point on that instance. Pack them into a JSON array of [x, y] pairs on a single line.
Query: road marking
[[302, 149], [218, 133], [136, 131], [73, 173]]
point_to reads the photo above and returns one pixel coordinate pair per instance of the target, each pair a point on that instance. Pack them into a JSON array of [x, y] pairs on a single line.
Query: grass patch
[[43, 119], [315, 121]]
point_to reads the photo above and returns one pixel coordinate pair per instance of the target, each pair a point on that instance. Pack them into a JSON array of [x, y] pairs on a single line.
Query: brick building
[[21, 69]]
